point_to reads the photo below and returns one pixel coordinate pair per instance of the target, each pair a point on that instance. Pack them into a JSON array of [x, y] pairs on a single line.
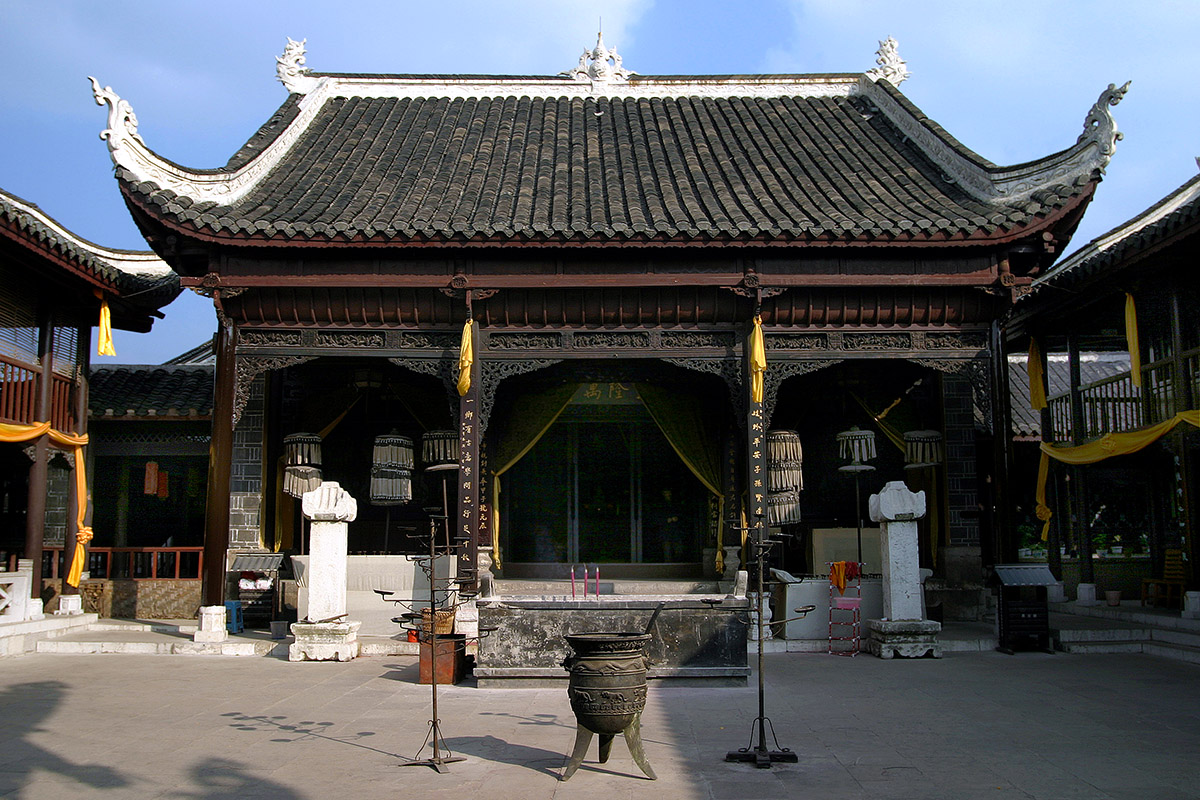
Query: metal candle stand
[[760, 754], [439, 588]]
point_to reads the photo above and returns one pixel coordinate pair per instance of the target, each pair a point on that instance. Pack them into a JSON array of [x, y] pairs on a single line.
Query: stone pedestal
[[466, 619], [897, 510], [1191, 605], [212, 625], [324, 641], [1086, 595], [326, 635], [69, 605], [733, 558], [907, 638], [903, 631], [1056, 593]]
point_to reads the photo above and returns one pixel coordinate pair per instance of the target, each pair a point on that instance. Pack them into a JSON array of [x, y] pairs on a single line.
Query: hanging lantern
[[856, 446], [785, 458], [298, 480], [439, 447], [391, 470], [922, 449], [302, 450], [302, 459], [783, 508]]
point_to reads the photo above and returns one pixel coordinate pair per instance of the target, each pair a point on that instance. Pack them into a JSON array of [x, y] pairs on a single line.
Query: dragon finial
[[600, 71], [1099, 126], [290, 69]]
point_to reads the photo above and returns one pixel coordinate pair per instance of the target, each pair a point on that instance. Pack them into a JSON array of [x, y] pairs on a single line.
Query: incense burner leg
[[606, 740], [633, 738], [583, 737]]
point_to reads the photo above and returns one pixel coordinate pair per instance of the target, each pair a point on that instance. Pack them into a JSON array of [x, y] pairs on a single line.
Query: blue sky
[[1012, 80]]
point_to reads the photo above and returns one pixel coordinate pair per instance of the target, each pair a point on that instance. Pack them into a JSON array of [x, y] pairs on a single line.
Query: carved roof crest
[[1099, 126], [600, 70], [122, 122], [892, 68], [290, 69]]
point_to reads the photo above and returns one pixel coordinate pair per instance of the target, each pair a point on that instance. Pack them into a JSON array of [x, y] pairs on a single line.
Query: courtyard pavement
[[970, 725]]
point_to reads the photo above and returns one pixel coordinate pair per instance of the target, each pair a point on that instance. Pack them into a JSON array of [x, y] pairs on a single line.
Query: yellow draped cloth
[[1111, 444], [758, 361], [466, 357], [1037, 377], [1131, 341], [104, 342], [83, 534]]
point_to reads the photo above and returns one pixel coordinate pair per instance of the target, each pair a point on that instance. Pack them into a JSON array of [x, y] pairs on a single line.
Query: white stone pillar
[[212, 625], [897, 510], [1085, 595], [1191, 605], [330, 507]]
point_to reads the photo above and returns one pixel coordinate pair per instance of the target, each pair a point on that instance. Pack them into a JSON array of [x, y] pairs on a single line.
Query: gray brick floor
[[971, 725]]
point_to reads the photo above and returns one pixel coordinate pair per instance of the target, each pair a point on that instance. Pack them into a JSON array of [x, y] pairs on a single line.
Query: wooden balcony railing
[[132, 563], [1114, 404], [19, 396]]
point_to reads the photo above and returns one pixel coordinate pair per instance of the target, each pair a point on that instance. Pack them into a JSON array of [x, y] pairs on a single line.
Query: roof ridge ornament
[[599, 71], [1100, 127], [122, 122], [892, 68], [290, 69]]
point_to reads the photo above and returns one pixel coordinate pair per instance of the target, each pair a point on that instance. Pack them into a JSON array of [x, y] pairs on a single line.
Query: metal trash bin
[[1022, 612]]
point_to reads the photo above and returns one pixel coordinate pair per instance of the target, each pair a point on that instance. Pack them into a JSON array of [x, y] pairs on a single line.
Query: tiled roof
[[572, 169], [152, 391], [678, 160], [126, 272], [1176, 212]]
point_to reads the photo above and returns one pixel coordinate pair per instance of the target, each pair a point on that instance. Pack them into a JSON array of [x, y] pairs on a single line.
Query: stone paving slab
[[969, 725]]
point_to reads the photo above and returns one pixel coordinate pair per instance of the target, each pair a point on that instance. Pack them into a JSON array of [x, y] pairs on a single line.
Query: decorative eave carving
[[1007, 185], [290, 69], [892, 68], [122, 122], [594, 65]]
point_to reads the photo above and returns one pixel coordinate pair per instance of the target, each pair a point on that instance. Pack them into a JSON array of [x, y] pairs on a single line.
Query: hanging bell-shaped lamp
[[391, 470], [922, 449], [439, 447], [302, 463], [785, 459], [856, 446]]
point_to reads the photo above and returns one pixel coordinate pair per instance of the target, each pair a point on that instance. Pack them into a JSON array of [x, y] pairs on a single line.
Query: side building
[[56, 288]]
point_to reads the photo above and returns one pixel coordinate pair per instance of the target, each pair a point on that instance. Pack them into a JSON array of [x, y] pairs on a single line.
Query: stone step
[[181, 647], [1083, 636], [1177, 652], [1100, 647]]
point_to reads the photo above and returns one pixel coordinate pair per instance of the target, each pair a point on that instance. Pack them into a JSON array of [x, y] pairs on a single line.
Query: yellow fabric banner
[[1111, 444], [1037, 377], [758, 361], [83, 534], [104, 342], [466, 356], [1131, 341]]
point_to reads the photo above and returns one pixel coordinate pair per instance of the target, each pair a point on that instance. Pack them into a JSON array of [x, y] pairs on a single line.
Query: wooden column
[[83, 343], [1003, 545], [35, 515], [220, 461], [756, 456], [1078, 474], [466, 521]]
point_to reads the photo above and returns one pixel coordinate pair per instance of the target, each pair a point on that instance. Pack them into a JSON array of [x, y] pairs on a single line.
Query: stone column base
[[907, 638], [69, 604], [324, 641], [1191, 605], [212, 625]]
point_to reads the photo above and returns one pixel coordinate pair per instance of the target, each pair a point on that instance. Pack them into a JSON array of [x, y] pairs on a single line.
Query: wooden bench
[[1168, 590]]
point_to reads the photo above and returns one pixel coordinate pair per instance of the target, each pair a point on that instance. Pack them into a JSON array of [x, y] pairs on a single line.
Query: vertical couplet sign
[[467, 519]]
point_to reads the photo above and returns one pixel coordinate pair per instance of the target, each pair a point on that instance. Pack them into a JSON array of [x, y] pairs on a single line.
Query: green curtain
[[690, 427], [526, 425]]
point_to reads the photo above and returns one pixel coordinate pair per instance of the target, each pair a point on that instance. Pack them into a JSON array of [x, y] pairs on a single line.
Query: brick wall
[[962, 481], [245, 499], [156, 599]]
